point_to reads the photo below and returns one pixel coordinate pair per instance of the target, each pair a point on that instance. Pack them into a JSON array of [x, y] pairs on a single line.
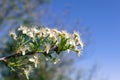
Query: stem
[[14, 55], [4, 59]]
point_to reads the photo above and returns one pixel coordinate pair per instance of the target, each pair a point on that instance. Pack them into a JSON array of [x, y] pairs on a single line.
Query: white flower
[[56, 31], [51, 34], [31, 59], [34, 60], [76, 34], [79, 42], [78, 52], [27, 72], [23, 52], [30, 34], [45, 34], [65, 34], [71, 42], [23, 29], [13, 34], [36, 31], [47, 29], [23, 49], [47, 48]]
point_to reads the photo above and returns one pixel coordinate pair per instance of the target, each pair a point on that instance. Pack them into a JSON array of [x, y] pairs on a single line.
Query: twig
[[4, 59], [14, 55]]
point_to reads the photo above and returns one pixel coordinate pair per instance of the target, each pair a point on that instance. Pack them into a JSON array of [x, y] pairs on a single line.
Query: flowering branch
[[26, 42]]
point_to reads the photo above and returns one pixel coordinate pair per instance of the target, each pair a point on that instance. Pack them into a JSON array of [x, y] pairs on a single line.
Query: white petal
[[32, 60]]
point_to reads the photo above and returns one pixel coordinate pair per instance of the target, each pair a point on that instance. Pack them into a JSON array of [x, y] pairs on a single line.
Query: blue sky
[[102, 17]]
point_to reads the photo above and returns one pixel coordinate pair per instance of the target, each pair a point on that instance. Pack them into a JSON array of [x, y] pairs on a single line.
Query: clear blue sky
[[102, 17]]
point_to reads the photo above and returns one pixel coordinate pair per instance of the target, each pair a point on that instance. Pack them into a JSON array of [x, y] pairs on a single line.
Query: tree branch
[[14, 55], [4, 59]]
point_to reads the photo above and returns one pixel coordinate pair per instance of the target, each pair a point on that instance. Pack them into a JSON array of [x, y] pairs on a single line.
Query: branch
[[4, 59]]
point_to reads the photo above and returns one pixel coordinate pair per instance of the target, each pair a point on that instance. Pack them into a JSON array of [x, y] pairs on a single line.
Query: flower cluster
[[50, 38], [46, 41]]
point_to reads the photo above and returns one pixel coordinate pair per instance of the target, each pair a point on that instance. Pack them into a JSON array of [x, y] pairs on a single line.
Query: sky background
[[102, 18]]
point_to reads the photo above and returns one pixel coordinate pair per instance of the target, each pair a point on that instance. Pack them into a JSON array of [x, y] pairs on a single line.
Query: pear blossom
[[24, 49], [30, 34], [64, 33], [13, 34], [27, 72], [79, 42], [78, 52], [71, 42], [47, 29], [23, 29], [76, 34], [36, 31], [55, 30], [47, 48], [34, 60], [51, 34]]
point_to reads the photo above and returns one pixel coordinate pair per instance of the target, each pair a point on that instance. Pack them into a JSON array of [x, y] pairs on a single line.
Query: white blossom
[[13, 34], [24, 49], [47, 29], [78, 52], [23, 52], [34, 60], [65, 34], [71, 42], [55, 30], [30, 34], [51, 35], [76, 34], [23, 29], [27, 72], [36, 31], [79, 42], [47, 48]]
